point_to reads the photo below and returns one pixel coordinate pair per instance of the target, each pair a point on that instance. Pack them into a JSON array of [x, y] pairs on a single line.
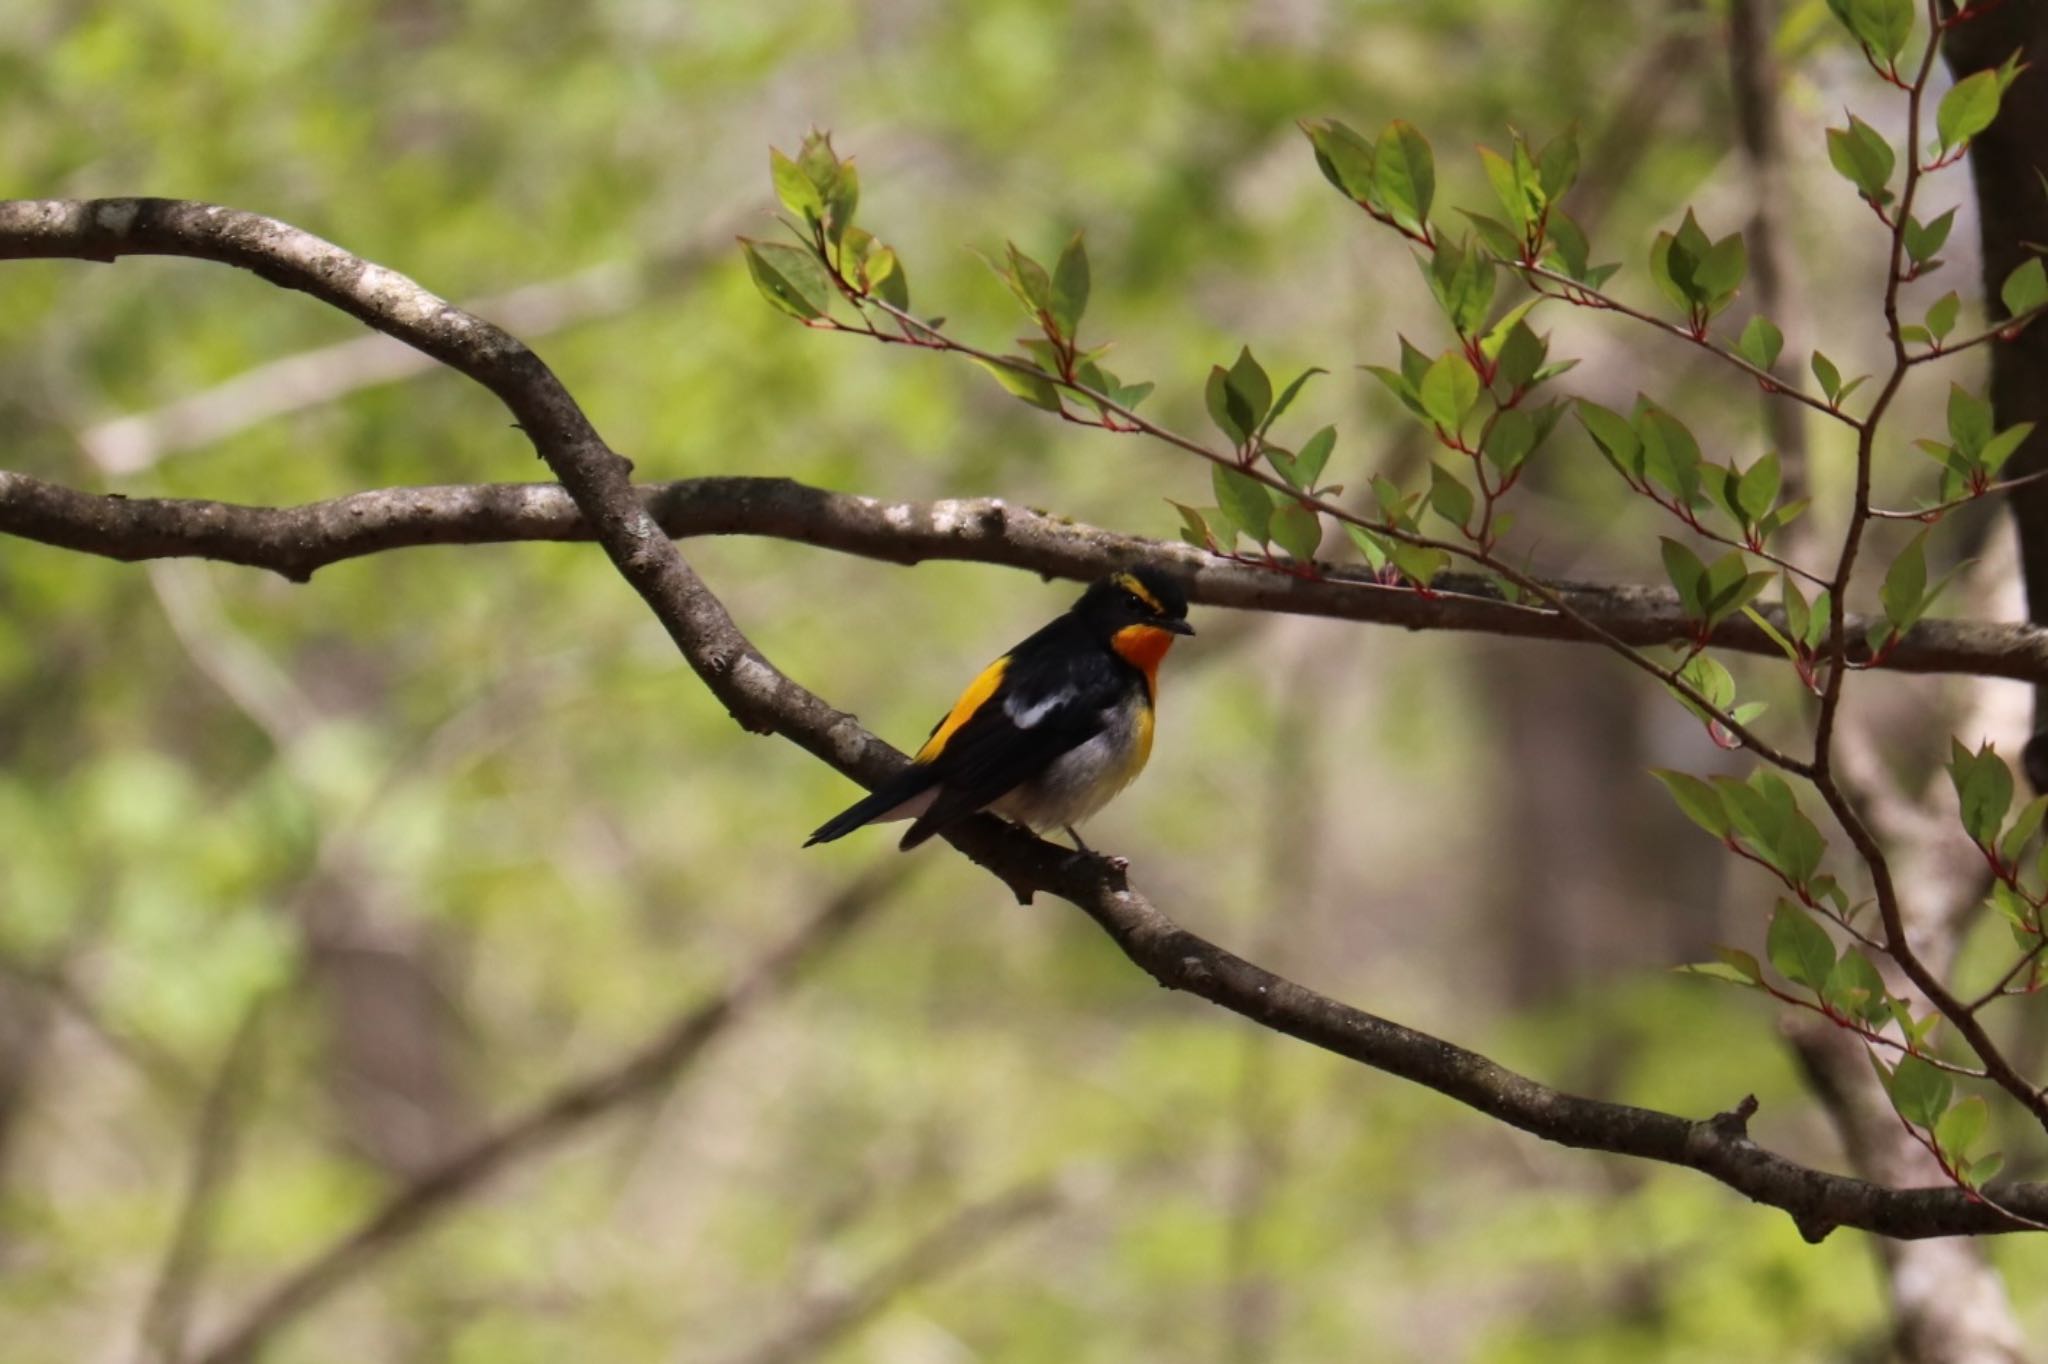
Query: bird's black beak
[[1178, 627]]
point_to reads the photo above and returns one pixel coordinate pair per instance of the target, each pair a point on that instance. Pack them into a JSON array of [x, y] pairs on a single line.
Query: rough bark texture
[[294, 541]]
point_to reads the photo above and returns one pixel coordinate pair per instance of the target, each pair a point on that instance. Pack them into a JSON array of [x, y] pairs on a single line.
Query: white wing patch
[[1026, 716]]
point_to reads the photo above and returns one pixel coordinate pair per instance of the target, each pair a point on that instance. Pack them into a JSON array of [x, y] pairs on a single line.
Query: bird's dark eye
[[1138, 604]]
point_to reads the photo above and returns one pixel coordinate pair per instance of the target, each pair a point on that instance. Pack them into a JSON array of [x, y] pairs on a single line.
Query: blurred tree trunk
[[1620, 881], [2008, 162]]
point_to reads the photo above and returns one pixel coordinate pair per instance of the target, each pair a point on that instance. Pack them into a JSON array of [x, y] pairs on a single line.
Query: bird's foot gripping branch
[[1836, 941]]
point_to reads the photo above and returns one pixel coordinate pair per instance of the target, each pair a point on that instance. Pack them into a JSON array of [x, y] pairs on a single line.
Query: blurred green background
[[465, 822]]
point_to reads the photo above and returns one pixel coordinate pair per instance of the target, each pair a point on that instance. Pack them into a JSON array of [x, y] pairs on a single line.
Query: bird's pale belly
[[1084, 779]]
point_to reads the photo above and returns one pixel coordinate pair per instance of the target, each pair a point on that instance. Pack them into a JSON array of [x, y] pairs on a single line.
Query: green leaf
[[1451, 499], [794, 188], [1028, 281], [1855, 988], [1722, 269], [1968, 108], [1705, 675], [1983, 789], [1919, 1091], [1671, 457], [1922, 241], [2025, 289], [1799, 948], [1400, 386], [1034, 388], [1758, 488], [2024, 826], [1557, 166], [1404, 173], [1449, 390], [820, 163], [1344, 157], [1823, 608], [1672, 270], [1420, 566], [1247, 379], [1982, 1172], [1298, 530], [2003, 446], [1521, 354], [1960, 1128], [1245, 500], [1289, 394], [1069, 299], [1227, 407], [1863, 157], [1518, 195], [1495, 235], [1698, 799], [789, 277], [1905, 585], [1880, 25], [1830, 377], [1509, 439], [1462, 279], [1195, 527], [1969, 421], [1719, 970], [1729, 586], [886, 279], [842, 196], [1315, 453], [1771, 823], [1569, 249], [1615, 437], [1941, 315], [1760, 821], [1371, 547], [1688, 576], [1772, 632], [1798, 615], [1761, 342]]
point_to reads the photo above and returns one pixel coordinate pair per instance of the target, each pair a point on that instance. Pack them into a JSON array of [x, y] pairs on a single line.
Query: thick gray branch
[[762, 699], [296, 541]]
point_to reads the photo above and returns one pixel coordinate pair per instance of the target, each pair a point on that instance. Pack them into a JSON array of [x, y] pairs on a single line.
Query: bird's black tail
[[884, 799]]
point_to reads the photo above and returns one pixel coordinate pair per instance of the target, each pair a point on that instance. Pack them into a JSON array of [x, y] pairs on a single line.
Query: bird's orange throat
[[1142, 646]]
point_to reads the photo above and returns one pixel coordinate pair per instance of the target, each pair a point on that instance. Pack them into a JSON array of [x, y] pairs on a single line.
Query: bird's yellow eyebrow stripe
[[977, 694], [1129, 583]]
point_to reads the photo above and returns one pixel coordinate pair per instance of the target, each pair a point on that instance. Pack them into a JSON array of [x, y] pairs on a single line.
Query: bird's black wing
[[1050, 699]]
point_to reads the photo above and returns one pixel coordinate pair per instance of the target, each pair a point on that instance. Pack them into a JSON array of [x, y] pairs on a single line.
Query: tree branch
[[763, 699], [297, 541]]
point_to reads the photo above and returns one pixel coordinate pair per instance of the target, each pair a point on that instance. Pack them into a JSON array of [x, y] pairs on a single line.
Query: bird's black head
[[1141, 596]]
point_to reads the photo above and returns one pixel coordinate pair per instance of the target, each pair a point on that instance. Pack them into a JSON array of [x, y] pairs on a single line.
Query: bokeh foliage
[[500, 755]]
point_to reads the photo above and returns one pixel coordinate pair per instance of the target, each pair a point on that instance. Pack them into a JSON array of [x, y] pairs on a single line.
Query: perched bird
[[1052, 729]]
